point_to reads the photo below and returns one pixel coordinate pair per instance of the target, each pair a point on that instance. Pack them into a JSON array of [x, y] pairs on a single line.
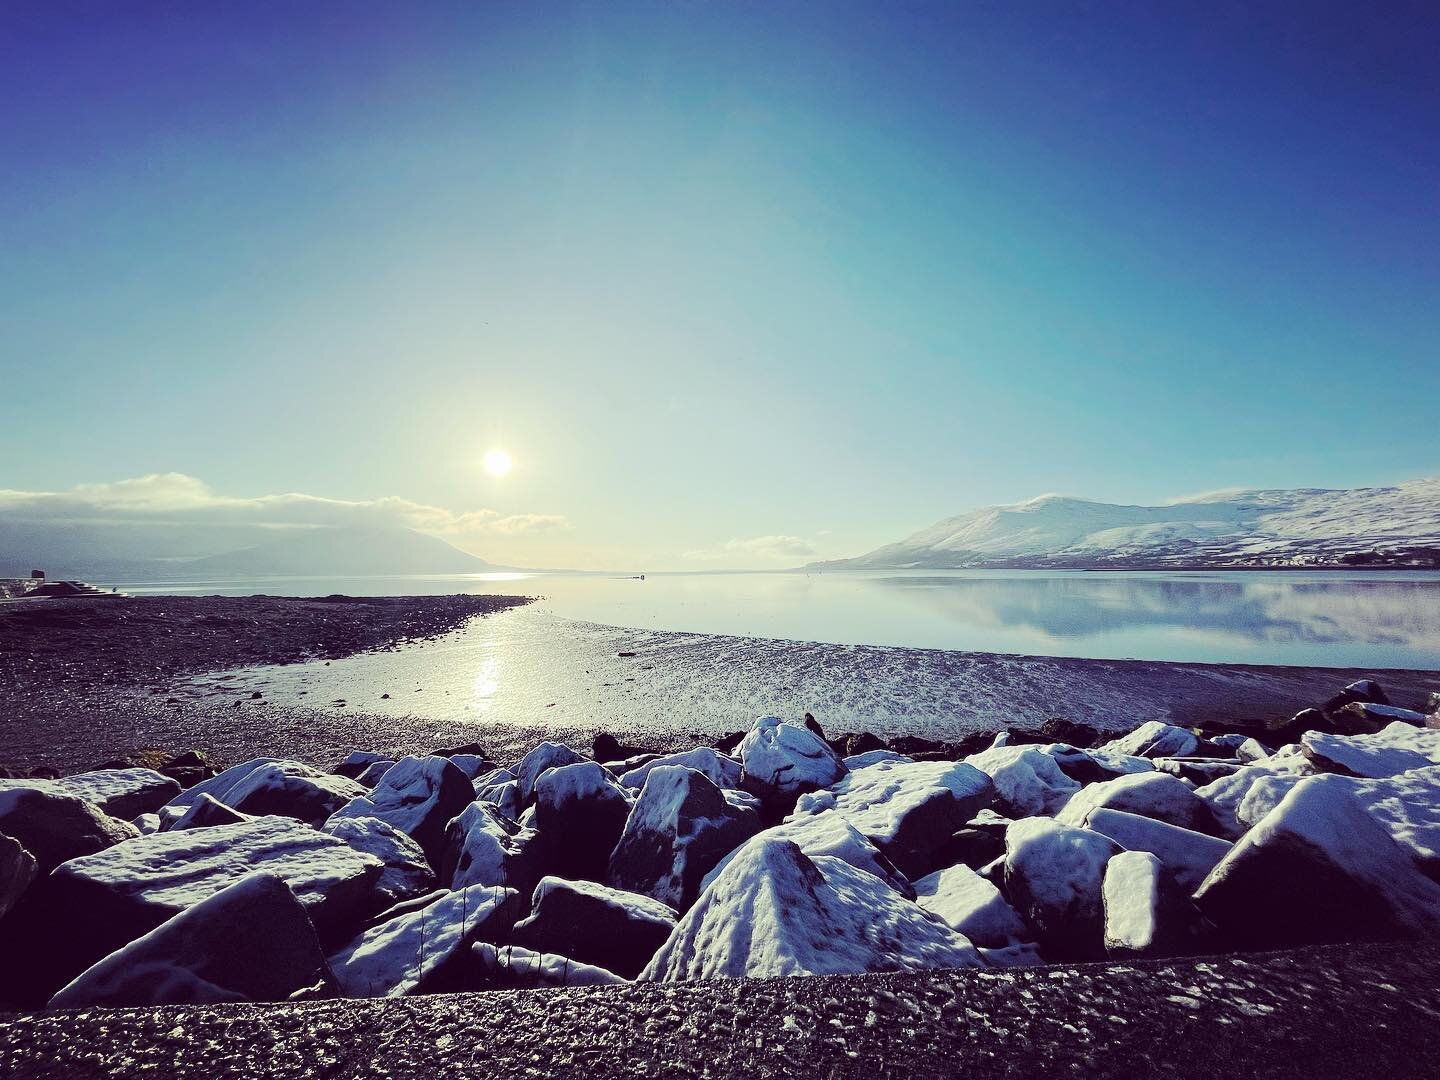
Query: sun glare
[[498, 462]]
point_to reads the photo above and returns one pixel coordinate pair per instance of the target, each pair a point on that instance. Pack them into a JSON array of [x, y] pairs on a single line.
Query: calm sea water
[[1360, 619]]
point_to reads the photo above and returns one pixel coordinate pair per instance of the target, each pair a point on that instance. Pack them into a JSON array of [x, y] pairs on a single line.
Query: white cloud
[[175, 497], [764, 547]]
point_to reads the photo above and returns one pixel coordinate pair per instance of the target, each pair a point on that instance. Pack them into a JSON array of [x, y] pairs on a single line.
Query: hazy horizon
[[734, 286]]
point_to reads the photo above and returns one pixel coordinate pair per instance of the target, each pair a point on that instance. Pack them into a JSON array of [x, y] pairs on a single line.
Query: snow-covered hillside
[[1307, 526]]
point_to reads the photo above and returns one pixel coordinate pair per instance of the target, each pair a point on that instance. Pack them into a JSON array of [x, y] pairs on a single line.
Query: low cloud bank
[[182, 499]]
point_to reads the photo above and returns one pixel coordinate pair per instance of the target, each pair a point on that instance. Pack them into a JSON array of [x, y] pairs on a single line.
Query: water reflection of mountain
[[1382, 612]]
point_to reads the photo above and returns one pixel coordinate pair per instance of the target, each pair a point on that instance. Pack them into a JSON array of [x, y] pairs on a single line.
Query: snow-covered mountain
[[1397, 525]]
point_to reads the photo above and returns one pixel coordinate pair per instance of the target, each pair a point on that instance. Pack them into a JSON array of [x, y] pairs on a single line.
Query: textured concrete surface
[[1334, 1012]]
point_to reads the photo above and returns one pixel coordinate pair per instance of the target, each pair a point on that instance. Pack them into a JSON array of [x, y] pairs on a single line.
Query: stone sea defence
[[777, 852]]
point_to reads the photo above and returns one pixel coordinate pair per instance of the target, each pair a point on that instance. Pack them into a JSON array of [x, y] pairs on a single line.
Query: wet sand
[[86, 682]]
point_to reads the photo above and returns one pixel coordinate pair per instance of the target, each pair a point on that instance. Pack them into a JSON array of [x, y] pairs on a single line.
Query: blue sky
[[717, 273]]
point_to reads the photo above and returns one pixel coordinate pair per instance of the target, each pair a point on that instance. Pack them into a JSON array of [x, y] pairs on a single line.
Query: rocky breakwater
[[783, 855]]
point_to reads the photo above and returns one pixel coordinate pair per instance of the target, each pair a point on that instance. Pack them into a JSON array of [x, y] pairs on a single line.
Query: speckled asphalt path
[[1365, 1011]]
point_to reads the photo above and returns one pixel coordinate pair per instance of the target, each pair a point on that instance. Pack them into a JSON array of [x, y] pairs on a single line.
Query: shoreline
[[564, 680]]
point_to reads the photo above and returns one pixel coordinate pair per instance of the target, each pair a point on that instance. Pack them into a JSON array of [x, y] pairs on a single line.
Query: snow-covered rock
[[505, 797], [507, 967], [1146, 915], [1251, 750], [781, 761], [1408, 807], [1187, 856], [418, 796], [486, 848], [219, 784], [547, 755], [1287, 759], [1364, 717], [1154, 794], [1028, 782], [969, 904], [426, 950], [679, 828], [357, 762], [580, 812], [97, 903], [873, 757], [121, 793], [775, 911], [54, 827], [473, 766], [251, 941], [203, 813], [721, 771], [374, 773], [906, 809], [291, 789], [827, 833], [1196, 770], [1319, 869], [1153, 739], [1053, 877], [1021, 954], [17, 871], [609, 928], [1395, 749], [406, 873]]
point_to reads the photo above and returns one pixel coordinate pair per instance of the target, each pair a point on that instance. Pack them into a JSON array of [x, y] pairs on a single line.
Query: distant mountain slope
[[339, 552], [1310, 526]]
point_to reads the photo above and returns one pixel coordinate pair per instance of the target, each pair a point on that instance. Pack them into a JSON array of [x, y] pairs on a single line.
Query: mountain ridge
[[1394, 525]]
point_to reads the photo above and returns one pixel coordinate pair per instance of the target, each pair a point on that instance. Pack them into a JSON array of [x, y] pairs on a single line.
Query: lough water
[[1370, 619]]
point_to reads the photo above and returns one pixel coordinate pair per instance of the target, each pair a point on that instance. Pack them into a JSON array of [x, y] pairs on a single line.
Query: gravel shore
[[87, 681], [1346, 1011]]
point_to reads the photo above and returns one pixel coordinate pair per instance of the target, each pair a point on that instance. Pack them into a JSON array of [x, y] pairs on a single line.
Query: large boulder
[[783, 761], [425, 950], [1363, 717], [679, 828], [418, 796], [775, 911], [507, 967], [504, 796], [1153, 794], [1153, 739], [1053, 876], [1187, 856], [204, 813], [1245, 791], [719, 770], [17, 871], [827, 833], [486, 848], [406, 872], [609, 928], [220, 784], [972, 906], [357, 762], [906, 809], [121, 793], [97, 903], [291, 789], [547, 755], [1146, 914], [251, 941], [1390, 751], [56, 828], [1028, 782], [580, 813], [1408, 808], [1319, 869]]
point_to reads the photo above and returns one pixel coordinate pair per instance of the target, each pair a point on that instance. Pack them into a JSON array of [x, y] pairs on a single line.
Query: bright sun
[[498, 462]]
